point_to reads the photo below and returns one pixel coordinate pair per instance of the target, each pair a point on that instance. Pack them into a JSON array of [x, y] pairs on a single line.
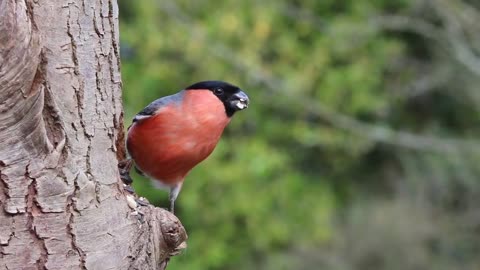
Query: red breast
[[167, 145]]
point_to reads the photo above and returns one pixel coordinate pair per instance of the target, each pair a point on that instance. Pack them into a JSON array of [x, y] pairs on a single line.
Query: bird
[[173, 134]]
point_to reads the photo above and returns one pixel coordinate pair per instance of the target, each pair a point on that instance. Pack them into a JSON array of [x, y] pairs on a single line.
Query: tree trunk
[[61, 136]]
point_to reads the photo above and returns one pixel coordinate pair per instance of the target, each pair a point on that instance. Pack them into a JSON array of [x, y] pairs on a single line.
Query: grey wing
[[153, 107], [149, 110]]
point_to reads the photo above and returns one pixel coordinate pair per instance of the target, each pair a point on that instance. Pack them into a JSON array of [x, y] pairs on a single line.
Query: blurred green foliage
[[342, 160]]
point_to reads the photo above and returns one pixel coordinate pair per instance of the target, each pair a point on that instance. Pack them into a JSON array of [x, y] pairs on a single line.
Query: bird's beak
[[239, 101]]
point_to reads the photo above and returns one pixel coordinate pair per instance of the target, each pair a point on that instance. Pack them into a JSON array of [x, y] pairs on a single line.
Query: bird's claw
[[124, 168], [126, 178], [128, 189]]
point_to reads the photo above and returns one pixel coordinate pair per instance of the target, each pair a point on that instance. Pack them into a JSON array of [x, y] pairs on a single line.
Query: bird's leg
[[124, 167], [164, 264], [174, 191]]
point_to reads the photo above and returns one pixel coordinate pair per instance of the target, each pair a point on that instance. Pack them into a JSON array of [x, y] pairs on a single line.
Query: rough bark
[[61, 135]]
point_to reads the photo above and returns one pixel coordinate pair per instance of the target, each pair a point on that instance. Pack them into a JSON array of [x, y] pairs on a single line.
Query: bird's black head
[[232, 97]]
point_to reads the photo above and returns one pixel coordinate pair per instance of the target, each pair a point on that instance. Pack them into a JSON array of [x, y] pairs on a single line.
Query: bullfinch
[[174, 133]]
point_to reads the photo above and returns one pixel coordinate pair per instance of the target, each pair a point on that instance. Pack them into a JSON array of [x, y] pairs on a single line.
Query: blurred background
[[360, 149]]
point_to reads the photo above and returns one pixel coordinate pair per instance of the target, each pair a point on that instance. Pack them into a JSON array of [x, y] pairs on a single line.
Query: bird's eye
[[218, 91]]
